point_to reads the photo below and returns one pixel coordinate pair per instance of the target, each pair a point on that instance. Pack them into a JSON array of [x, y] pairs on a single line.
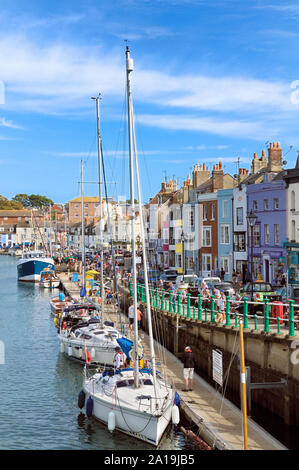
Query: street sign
[[217, 366]]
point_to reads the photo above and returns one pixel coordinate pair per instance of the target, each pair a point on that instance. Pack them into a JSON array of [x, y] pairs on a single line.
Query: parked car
[[152, 274], [293, 293], [260, 291], [226, 286], [168, 276], [185, 281]]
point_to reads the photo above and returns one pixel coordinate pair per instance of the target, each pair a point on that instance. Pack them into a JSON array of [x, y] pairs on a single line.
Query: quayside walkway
[[218, 420]]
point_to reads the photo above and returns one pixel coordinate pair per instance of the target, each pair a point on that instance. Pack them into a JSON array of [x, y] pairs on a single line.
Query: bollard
[[291, 318], [179, 304], [188, 306], [213, 308], [227, 311], [199, 307], [245, 312], [266, 316]]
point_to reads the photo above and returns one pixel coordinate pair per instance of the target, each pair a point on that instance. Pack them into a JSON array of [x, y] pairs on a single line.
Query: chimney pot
[[254, 155], [271, 145], [263, 152], [240, 171]]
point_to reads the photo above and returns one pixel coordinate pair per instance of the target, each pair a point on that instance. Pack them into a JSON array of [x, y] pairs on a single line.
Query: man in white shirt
[[119, 359]]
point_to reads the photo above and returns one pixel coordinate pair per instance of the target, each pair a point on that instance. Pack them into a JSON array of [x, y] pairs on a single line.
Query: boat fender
[[175, 415], [89, 407], [70, 350], [56, 322], [111, 421], [92, 353], [61, 347], [176, 400], [81, 399]]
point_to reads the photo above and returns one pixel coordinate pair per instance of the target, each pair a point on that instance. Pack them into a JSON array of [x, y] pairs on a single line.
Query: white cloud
[[5, 123], [252, 130]]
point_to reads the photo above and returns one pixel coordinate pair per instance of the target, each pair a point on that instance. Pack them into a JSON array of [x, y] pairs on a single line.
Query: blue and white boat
[[32, 264]]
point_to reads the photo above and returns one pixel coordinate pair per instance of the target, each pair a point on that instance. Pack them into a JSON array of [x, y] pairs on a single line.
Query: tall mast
[[243, 387], [82, 231], [130, 68], [97, 99]]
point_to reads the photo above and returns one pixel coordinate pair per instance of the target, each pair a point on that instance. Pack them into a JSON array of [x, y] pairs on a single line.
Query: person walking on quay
[[189, 362]]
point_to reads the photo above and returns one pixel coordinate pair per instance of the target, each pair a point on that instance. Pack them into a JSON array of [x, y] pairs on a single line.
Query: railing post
[[179, 304], [245, 312], [255, 321], [170, 302], [138, 293], [227, 311], [266, 316], [131, 288], [213, 308], [163, 300], [188, 306], [199, 307], [278, 325], [291, 318]]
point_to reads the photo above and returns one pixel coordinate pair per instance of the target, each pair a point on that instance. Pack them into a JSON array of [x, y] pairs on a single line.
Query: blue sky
[[212, 81]]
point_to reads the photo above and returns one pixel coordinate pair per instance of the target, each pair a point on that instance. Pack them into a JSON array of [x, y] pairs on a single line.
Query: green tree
[[5, 204], [33, 200]]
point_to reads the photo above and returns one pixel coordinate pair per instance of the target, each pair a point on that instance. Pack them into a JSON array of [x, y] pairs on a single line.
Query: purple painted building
[[268, 201]]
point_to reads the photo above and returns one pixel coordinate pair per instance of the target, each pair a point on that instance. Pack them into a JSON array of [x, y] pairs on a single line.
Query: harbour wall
[[268, 355]]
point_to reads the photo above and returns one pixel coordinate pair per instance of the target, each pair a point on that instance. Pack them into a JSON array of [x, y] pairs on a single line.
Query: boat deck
[[219, 421]]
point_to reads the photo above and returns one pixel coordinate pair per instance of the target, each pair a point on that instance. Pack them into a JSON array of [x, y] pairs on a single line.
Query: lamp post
[[251, 218], [183, 252]]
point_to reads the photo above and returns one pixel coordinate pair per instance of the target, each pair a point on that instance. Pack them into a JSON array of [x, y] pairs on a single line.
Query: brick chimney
[[217, 177], [258, 163], [274, 157], [200, 174]]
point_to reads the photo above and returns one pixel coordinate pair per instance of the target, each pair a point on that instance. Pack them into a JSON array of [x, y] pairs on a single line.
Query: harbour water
[[39, 386]]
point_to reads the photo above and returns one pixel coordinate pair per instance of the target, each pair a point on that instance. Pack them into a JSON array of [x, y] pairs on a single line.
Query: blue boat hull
[[29, 270]]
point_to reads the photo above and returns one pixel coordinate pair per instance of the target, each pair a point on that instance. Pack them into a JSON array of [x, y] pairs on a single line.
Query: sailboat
[[90, 335], [32, 263], [136, 401]]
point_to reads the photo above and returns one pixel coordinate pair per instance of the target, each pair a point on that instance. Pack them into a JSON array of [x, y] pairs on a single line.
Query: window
[[266, 204], [293, 230], [206, 236], [213, 212], [292, 200], [224, 264], [206, 262], [276, 234], [86, 205], [239, 241], [76, 206], [225, 209], [224, 234], [276, 203], [256, 235], [240, 219], [205, 212], [191, 218], [266, 234], [254, 205]]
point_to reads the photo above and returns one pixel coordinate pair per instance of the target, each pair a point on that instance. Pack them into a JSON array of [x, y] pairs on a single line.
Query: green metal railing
[[175, 303]]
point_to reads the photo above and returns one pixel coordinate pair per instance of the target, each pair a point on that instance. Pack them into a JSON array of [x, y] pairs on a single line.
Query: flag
[[87, 357]]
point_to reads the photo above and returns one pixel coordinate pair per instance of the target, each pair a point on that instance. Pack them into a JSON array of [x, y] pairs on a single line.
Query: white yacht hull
[[134, 409], [75, 349], [140, 425]]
